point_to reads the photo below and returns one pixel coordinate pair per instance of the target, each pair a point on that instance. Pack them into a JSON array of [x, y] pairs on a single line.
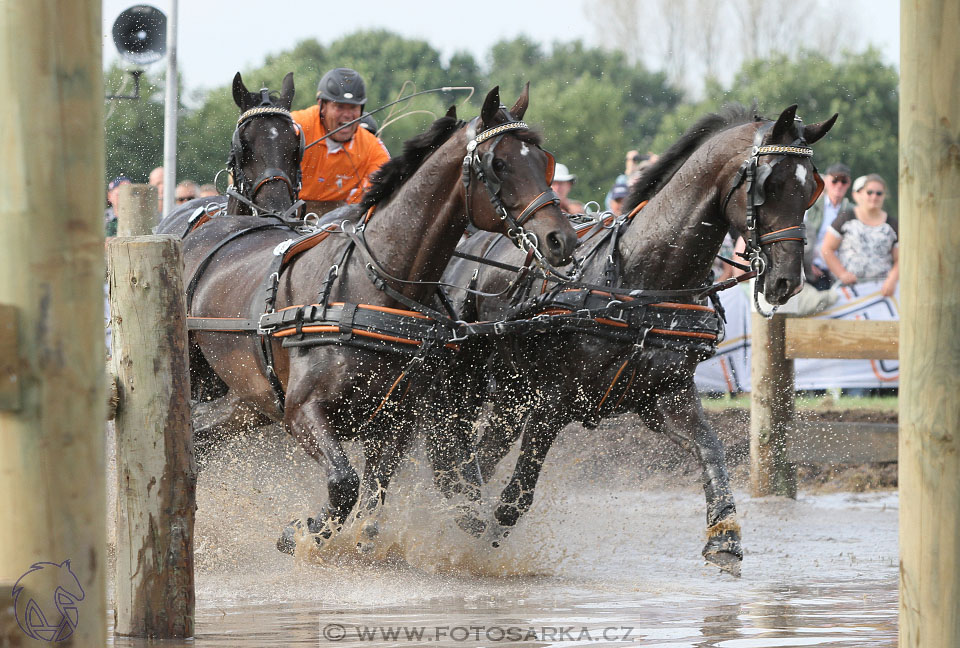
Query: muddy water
[[603, 558]]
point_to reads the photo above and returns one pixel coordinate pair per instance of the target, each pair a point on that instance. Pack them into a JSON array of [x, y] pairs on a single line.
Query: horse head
[[505, 156], [780, 183], [266, 150]]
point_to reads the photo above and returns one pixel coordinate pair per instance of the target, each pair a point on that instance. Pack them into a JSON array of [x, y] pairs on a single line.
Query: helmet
[[342, 85]]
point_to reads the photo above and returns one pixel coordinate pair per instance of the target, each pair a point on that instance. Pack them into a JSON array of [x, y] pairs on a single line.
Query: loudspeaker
[[140, 34]]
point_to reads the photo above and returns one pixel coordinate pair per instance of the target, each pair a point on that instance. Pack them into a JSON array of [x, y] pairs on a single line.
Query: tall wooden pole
[[137, 210], [930, 330], [52, 494], [156, 471], [771, 409]]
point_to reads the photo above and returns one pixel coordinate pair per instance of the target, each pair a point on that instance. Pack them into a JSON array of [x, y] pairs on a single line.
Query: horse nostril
[[553, 242]]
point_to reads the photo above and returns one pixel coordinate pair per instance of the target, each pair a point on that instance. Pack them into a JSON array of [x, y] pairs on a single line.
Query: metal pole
[[170, 116]]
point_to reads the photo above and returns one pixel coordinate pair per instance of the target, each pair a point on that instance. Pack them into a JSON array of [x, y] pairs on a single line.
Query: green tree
[[859, 87], [133, 130]]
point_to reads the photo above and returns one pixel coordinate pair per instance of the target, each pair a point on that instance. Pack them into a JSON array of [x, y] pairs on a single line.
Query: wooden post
[[52, 491], [156, 470], [930, 328], [136, 210], [771, 409]]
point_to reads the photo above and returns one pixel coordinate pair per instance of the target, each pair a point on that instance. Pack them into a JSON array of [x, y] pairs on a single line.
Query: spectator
[[156, 180], [631, 164], [208, 191], [186, 191], [337, 169], [862, 243], [562, 184], [819, 218], [618, 192], [110, 215]]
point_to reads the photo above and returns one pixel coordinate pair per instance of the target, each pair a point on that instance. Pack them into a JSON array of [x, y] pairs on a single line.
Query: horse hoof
[[727, 562], [471, 524], [287, 542], [723, 547]]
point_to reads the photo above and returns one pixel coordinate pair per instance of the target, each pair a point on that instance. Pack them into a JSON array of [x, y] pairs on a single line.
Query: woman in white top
[[861, 244]]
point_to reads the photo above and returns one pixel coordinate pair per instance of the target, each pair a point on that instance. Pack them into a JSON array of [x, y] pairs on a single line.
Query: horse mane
[[394, 173], [658, 174]]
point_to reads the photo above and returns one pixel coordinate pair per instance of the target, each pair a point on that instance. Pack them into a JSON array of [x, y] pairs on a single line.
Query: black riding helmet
[[342, 85]]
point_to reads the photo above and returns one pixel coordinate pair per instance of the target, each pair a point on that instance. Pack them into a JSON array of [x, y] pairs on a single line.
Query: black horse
[[330, 333], [628, 336]]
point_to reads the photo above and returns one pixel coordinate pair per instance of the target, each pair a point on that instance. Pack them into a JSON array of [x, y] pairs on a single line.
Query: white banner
[[729, 370]]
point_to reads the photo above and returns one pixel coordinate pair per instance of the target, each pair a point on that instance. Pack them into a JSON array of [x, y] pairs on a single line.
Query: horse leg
[[517, 497], [499, 434], [679, 415], [309, 425], [382, 453]]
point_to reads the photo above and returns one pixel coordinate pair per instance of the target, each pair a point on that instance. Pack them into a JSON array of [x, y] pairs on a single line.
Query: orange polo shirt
[[333, 171]]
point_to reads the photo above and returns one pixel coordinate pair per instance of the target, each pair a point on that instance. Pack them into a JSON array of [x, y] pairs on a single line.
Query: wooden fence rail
[[777, 441]]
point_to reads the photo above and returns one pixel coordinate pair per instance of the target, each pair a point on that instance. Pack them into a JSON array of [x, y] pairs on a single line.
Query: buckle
[[282, 248]]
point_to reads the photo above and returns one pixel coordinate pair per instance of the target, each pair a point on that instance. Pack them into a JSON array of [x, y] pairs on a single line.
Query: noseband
[[481, 166], [755, 175], [244, 190]]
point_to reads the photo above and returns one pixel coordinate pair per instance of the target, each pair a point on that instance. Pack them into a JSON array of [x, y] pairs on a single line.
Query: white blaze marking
[[802, 174], [523, 149], [274, 133]]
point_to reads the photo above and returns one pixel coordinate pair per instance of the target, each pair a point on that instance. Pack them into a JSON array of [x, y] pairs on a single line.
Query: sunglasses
[[871, 192], [181, 199], [840, 180]]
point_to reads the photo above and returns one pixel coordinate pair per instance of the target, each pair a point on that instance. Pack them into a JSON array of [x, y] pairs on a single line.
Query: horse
[[330, 333], [629, 334], [264, 163]]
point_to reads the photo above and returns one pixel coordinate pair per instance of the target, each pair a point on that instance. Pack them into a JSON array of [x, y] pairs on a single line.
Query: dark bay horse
[[264, 163], [629, 336], [330, 333]]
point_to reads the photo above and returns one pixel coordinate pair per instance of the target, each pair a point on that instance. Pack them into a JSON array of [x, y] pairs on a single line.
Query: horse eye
[[499, 165]]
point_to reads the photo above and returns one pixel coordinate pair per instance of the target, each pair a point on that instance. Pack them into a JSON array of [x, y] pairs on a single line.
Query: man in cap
[[562, 184], [819, 218], [337, 169]]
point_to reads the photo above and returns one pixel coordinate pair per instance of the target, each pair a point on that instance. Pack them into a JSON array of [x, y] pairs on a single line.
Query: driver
[[337, 170]]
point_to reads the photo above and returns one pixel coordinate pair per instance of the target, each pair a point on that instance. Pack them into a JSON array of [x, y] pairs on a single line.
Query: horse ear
[[286, 91], [522, 102], [240, 92], [491, 106], [813, 132], [452, 112], [784, 126]]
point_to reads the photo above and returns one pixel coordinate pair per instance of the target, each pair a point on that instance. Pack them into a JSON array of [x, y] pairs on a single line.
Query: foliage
[[859, 87], [134, 129], [591, 105]]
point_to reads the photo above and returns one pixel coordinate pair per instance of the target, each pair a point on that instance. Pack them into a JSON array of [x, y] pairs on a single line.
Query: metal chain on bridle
[[244, 190], [481, 166], [755, 175]]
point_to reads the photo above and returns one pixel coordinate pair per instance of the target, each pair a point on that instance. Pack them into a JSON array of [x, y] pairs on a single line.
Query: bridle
[[480, 164], [244, 190], [755, 176]]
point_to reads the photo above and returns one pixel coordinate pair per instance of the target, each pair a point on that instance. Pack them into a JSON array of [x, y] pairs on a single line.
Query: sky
[[208, 56]]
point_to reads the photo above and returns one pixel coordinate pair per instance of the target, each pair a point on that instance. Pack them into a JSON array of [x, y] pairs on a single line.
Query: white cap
[[562, 174]]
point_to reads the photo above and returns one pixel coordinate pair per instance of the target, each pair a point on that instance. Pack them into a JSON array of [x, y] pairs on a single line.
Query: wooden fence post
[[52, 473], [771, 409], [136, 210], [930, 328], [156, 470]]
